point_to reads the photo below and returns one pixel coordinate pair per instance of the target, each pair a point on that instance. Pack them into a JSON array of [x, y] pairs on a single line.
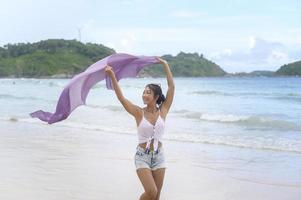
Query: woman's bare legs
[[159, 177], [152, 182], [149, 185]]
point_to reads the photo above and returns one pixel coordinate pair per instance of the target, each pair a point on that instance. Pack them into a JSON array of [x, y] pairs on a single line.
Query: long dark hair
[[156, 88]]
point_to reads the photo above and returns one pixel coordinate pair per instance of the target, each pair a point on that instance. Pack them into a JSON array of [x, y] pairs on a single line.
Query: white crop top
[[148, 131]]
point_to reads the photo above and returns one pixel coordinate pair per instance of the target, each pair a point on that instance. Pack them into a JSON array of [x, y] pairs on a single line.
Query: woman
[[150, 120]]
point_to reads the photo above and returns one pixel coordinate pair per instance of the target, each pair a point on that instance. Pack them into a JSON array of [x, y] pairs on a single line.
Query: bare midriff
[[143, 145]]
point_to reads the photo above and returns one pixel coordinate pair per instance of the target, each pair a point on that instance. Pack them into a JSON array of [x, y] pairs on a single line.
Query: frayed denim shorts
[[151, 160]]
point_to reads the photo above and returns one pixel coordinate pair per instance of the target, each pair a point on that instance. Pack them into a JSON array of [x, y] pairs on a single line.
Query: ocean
[[258, 113]]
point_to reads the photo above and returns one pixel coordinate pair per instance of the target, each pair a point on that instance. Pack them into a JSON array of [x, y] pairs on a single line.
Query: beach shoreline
[[42, 161]]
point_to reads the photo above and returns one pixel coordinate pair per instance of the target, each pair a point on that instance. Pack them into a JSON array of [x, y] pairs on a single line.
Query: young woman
[[150, 120]]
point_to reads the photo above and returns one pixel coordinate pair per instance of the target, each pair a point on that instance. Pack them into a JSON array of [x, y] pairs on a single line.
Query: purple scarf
[[76, 91]]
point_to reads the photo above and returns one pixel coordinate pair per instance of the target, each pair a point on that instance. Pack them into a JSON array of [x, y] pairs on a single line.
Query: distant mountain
[[64, 58], [254, 73], [291, 69], [49, 57], [60, 58], [262, 73], [187, 64]]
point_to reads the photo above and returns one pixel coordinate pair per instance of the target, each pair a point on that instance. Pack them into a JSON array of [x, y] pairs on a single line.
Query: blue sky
[[237, 35]]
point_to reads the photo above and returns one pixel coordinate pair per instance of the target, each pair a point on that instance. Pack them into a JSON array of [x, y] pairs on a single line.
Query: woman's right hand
[[164, 62], [109, 71]]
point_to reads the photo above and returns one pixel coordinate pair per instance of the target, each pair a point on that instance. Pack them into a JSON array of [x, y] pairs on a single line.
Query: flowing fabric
[[75, 92]]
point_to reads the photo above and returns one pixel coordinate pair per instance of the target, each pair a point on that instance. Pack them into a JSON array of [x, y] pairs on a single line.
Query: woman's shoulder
[[141, 109]]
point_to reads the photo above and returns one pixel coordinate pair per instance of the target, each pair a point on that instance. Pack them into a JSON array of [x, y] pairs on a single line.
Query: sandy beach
[[39, 161]]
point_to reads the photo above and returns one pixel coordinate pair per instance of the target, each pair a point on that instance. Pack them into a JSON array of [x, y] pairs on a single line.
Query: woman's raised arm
[[171, 86], [129, 106]]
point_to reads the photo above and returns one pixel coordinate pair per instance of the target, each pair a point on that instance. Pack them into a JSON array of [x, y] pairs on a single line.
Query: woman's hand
[[163, 62], [109, 71]]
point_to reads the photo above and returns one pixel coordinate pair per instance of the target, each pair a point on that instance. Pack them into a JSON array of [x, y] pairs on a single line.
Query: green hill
[[68, 57], [291, 69], [49, 57], [187, 65]]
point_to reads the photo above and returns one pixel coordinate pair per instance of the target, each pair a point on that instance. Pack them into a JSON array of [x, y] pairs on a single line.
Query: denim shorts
[[152, 160]]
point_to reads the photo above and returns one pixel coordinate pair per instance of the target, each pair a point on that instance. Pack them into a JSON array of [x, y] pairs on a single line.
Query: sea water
[[260, 113]]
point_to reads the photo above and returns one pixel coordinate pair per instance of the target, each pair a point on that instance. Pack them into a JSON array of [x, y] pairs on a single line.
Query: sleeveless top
[[148, 131]]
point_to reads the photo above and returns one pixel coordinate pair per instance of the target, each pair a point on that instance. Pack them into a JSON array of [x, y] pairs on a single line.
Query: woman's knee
[[152, 193]]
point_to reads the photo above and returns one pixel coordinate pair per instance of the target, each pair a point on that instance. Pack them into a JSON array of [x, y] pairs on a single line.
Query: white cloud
[[261, 48], [277, 57], [261, 55], [127, 42], [252, 42], [147, 40], [220, 54], [237, 53]]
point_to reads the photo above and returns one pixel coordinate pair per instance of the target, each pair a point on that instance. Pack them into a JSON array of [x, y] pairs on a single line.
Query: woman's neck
[[151, 108]]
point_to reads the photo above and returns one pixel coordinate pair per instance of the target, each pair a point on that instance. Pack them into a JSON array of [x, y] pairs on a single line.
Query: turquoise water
[[256, 113]]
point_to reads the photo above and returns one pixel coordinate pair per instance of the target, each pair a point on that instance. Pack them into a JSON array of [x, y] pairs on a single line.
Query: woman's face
[[147, 96]]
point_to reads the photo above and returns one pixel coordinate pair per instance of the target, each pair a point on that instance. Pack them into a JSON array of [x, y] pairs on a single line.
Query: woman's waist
[[144, 144]]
